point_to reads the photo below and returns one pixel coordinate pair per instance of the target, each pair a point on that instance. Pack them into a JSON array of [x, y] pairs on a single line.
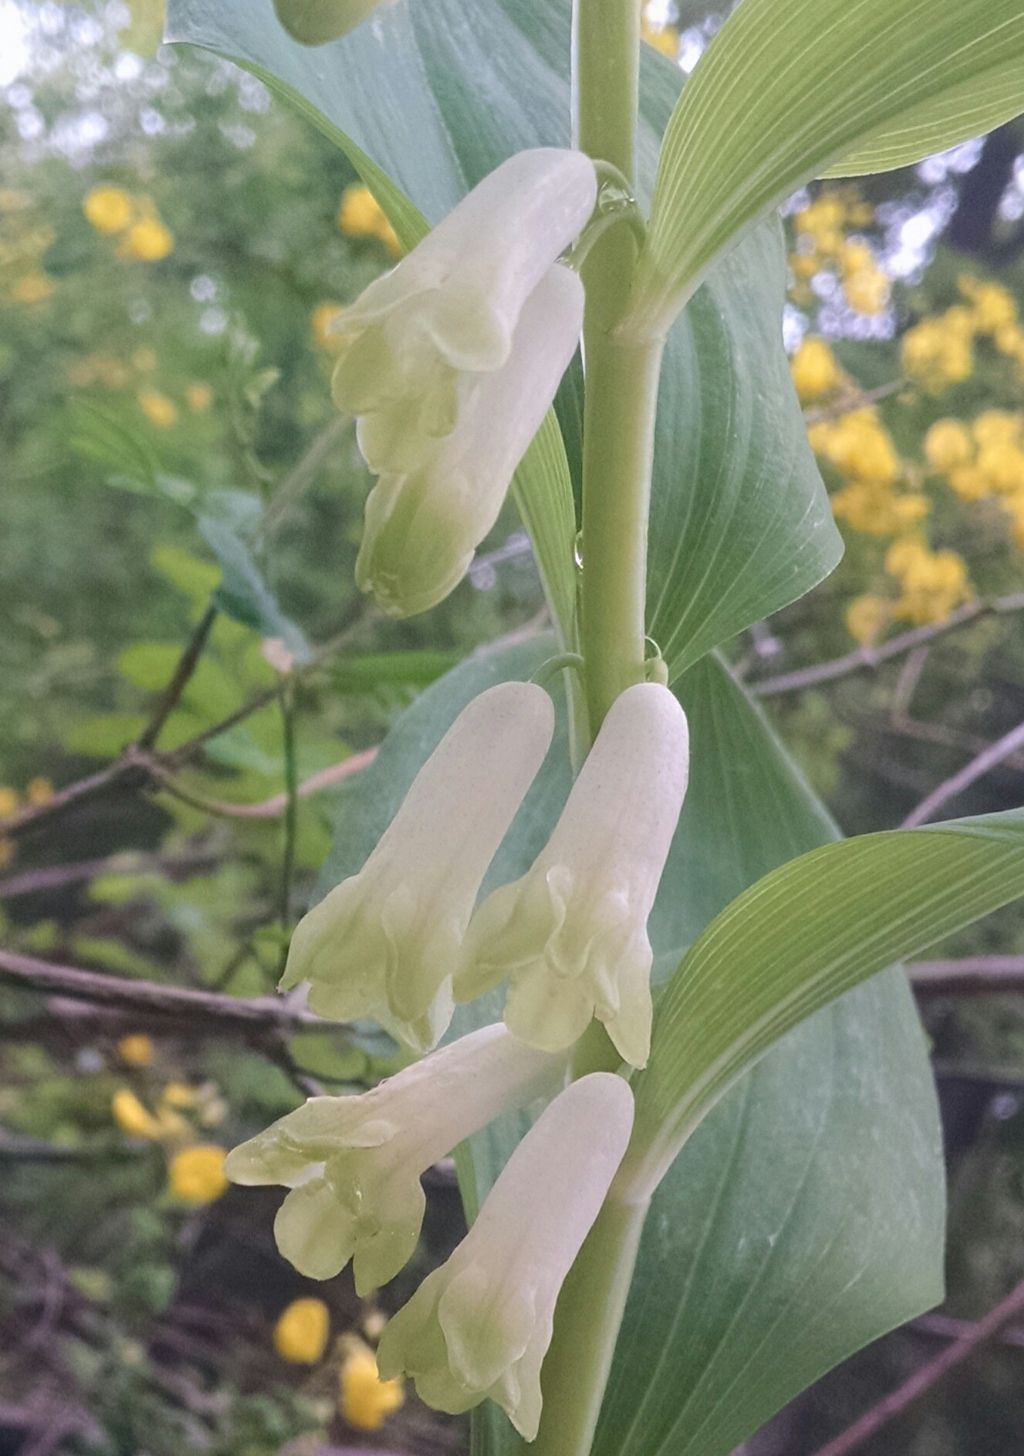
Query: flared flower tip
[[571, 935], [383, 943], [481, 1325]]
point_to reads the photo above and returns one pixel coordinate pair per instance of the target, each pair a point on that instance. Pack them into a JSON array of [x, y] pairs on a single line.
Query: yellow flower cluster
[[940, 351], [365, 1400], [816, 370], [131, 217], [664, 38], [823, 244], [983, 460], [360, 215], [301, 1331], [322, 324], [195, 1169], [158, 408], [932, 583], [859, 447]]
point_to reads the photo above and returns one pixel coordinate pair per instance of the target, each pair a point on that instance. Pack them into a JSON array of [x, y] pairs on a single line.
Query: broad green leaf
[[805, 1217], [798, 938], [740, 522], [789, 89]]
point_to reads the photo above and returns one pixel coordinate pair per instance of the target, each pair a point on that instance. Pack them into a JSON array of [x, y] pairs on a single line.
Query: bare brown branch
[[897, 1401]]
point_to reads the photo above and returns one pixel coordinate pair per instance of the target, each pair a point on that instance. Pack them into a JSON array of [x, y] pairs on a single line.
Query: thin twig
[[58, 877], [181, 677], [256, 1012], [271, 808], [898, 1400], [291, 818], [851, 403], [970, 976], [989, 758], [864, 658], [136, 768]]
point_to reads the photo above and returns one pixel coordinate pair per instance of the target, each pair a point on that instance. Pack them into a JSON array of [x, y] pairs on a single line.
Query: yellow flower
[[134, 1119], [9, 801], [39, 790], [1009, 339], [360, 215], [870, 506], [148, 240], [196, 1175], [815, 370], [366, 1400], [135, 1050], [970, 483], [179, 1095], [199, 397], [867, 291], [933, 582], [322, 322], [1003, 467], [997, 427], [144, 360], [948, 445], [157, 408], [33, 288], [939, 352], [300, 1335], [664, 39], [994, 306], [866, 618], [822, 221], [804, 265], [858, 445], [109, 209]]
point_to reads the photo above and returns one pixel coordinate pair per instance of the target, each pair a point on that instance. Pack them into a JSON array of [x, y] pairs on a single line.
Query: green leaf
[[801, 937], [371, 671], [243, 592], [788, 91], [740, 521], [805, 1217]]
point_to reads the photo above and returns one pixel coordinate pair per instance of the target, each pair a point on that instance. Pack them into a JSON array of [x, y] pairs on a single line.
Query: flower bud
[[383, 943], [314, 22], [481, 1324], [422, 527], [571, 935], [416, 349], [354, 1163]]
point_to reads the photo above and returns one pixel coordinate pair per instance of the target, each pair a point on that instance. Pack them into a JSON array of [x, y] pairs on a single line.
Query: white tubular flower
[[418, 345], [423, 526], [571, 935], [384, 943], [481, 1324], [354, 1163]]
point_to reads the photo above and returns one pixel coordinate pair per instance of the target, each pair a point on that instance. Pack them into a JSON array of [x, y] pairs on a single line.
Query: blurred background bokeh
[[180, 501]]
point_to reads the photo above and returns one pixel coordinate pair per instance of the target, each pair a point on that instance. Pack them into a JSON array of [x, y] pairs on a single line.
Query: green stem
[[621, 375], [587, 1319]]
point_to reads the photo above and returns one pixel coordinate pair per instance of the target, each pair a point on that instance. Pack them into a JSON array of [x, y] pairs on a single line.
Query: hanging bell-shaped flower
[[571, 935], [384, 943], [481, 1324], [423, 526], [354, 1163], [416, 349]]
